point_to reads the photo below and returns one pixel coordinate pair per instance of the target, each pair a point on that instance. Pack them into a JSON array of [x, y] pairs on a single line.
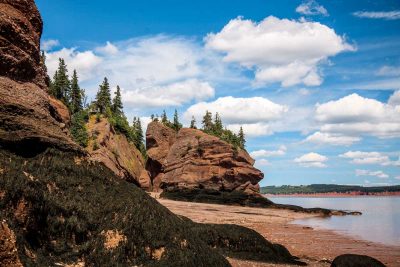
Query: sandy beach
[[314, 246]]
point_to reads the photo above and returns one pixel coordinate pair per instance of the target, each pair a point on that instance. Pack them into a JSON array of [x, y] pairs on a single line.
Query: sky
[[315, 84]]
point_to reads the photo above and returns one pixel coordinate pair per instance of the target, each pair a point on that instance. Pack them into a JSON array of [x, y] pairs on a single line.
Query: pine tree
[[176, 125], [103, 97], [76, 94], [193, 123], [164, 118], [241, 137], [61, 83], [207, 122], [218, 127], [117, 107]]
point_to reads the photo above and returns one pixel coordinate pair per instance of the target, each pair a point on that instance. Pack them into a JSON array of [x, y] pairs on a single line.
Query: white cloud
[[174, 94], [397, 177], [279, 50], [379, 174], [354, 115], [154, 71], [312, 160], [252, 129], [359, 157], [269, 153], [394, 99], [388, 15], [332, 139], [86, 63], [109, 49], [239, 110], [388, 71], [311, 7], [47, 45]]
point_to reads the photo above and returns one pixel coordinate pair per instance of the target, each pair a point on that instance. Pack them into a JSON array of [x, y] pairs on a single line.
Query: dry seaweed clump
[[89, 215]]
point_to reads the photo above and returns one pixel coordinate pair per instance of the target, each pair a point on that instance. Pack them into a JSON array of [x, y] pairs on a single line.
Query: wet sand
[[313, 246]]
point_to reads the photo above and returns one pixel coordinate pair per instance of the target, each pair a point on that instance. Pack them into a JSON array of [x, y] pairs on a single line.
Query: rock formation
[[28, 119], [117, 153], [192, 159], [353, 260], [59, 209]]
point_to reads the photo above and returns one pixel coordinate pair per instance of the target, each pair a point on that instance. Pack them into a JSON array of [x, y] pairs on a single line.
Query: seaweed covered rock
[[67, 211], [116, 152], [192, 159], [354, 260]]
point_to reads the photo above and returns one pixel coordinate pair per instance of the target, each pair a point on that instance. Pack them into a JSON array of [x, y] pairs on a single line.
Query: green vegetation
[[326, 188], [78, 128], [209, 125]]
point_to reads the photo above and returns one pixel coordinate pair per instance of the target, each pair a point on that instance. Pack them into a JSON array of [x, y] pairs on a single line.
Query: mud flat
[[314, 246]]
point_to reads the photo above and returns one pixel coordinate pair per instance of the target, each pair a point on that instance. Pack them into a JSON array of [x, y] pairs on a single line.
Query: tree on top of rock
[[242, 140], [76, 94], [138, 135], [164, 118], [60, 87], [207, 122], [217, 127], [103, 97], [176, 125], [193, 123], [117, 107]]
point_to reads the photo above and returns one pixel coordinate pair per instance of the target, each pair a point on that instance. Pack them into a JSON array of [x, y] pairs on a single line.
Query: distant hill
[[327, 188]]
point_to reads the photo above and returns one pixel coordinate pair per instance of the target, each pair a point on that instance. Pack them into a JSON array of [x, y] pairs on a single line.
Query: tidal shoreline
[[333, 194], [316, 247]]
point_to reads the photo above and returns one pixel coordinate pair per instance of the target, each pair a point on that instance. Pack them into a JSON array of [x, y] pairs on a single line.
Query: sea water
[[380, 221]]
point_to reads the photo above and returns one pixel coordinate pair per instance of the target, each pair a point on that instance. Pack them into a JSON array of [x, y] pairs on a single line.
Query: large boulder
[[116, 152], [192, 159], [354, 260]]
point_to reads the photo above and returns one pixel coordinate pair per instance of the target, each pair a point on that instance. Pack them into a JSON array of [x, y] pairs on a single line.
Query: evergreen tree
[[76, 94], [61, 83], [103, 97], [207, 122], [176, 125], [193, 123], [218, 127], [241, 137], [117, 107], [164, 118]]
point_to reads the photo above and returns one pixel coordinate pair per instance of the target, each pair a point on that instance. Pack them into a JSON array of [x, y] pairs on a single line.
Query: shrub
[[78, 129]]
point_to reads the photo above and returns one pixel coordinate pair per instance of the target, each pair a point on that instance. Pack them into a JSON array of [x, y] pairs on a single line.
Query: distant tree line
[[210, 125], [325, 188], [69, 92]]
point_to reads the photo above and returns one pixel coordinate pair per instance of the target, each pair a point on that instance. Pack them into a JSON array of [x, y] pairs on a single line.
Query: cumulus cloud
[[359, 157], [153, 71], [312, 160], [279, 50], [387, 15], [394, 99], [332, 139], [352, 116], [311, 7], [269, 153], [262, 162], [47, 45], [379, 174], [253, 113], [174, 94]]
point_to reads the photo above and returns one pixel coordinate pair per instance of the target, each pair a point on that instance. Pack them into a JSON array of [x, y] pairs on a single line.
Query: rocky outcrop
[[21, 29], [117, 153], [28, 120], [192, 159]]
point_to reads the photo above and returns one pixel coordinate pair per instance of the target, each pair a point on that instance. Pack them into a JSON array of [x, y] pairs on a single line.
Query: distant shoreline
[[334, 194]]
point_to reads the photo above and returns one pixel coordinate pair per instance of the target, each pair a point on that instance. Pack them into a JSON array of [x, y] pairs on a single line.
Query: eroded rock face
[[28, 121], [21, 29], [192, 159], [115, 152]]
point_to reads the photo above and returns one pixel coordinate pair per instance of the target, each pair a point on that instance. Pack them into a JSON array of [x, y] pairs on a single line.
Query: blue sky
[[315, 84]]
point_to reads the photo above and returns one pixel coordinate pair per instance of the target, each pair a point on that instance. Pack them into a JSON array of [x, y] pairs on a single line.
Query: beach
[[316, 247]]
